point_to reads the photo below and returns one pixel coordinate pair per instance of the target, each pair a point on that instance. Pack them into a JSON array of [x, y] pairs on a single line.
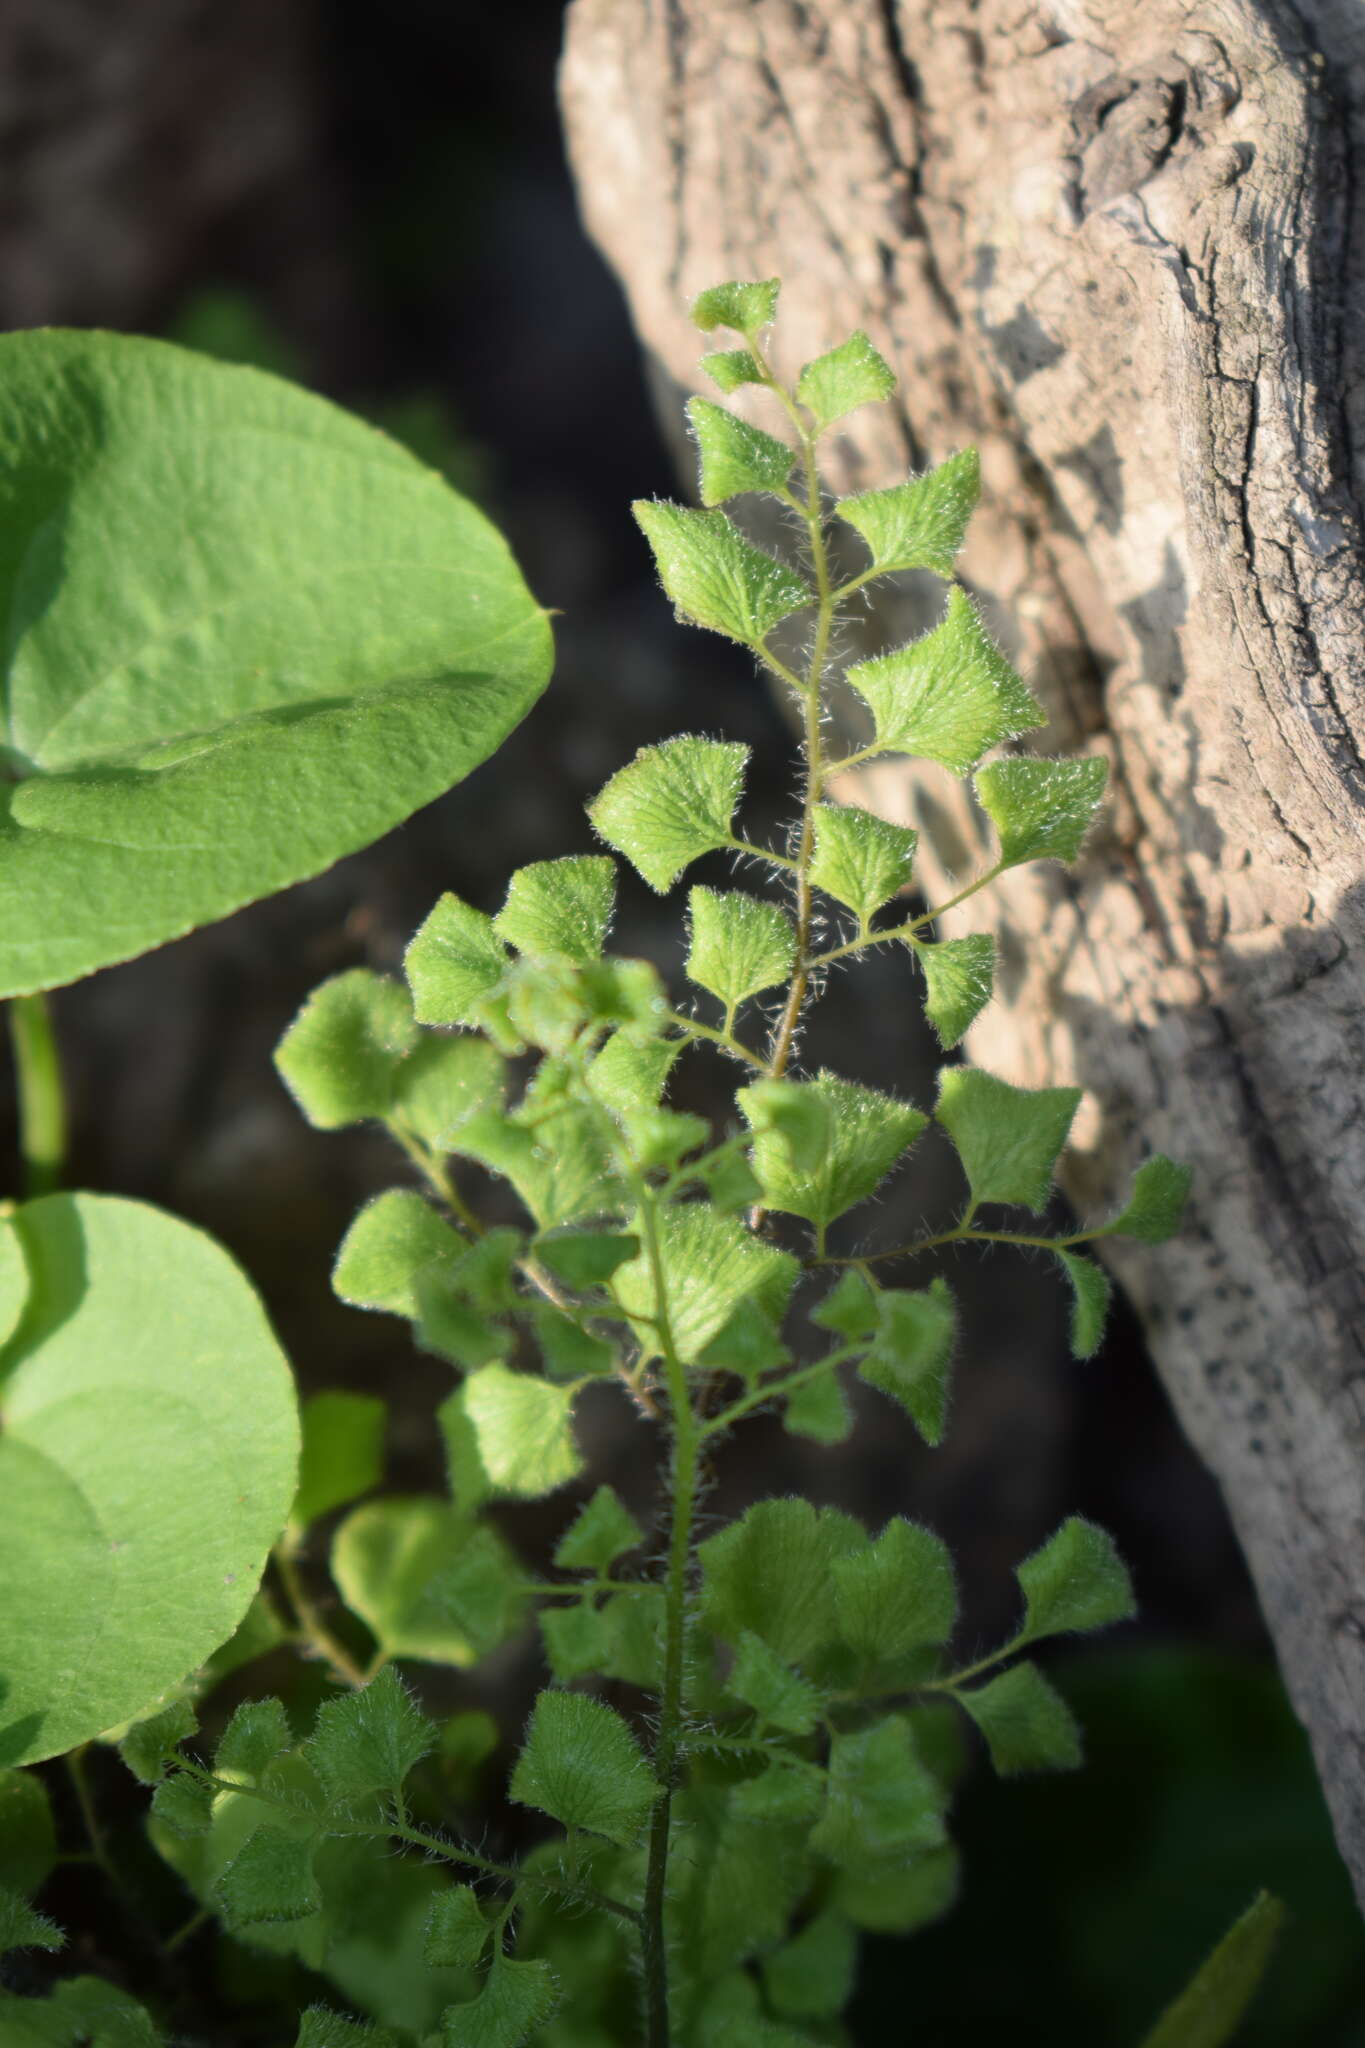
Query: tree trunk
[[1119, 248]]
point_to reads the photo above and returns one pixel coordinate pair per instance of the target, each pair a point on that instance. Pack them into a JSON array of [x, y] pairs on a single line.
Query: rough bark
[[1120, 249]]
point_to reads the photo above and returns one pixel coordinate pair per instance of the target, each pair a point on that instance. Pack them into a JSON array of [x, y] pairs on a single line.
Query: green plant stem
[[962, 1235], [709, 1032], [312, 1627], [771, 1389], [42, 1099], [687, 1438]]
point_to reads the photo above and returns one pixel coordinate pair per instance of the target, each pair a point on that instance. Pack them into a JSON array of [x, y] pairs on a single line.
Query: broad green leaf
[[13, 1280], [454, 963], [257, 1733], [514, 2004], [584, 1259], [1090, 1304], [88, 2010], [369, 1740], [948, 695], [959, 980], [728, 368], [731, 2015], [1076, 1582], [1214, 2003], [822, 1146], [1157, 1203], [884, 1802], [28, 1840], [1041, 810], [891, 1900], [747, 308], [710, 1264], [603, 1530], [393, 1242], [897, 1595], [560, 907], [342, 1455], [625, 1075], [1027, 1724], [319, 2028], [812, 1976], [844, 378], [672, 804], [849, 1309], [715, 577], [860, 860], [581, 1765], [819, 1409], [149, 1745], [457, 1933], [121, 1571], [736, 457], [442, 1083], [340, 1056], [248, 635], [21, 1927], [740, 945], [431, 1585], [912, 1353], [1007, 1138], [771, 1573], [523, 1429], [183, 1804], [922, 523], [779, 1696], [270, 1878]]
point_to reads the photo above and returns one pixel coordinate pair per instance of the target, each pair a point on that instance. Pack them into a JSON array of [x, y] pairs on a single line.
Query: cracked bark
[[1121, 250]]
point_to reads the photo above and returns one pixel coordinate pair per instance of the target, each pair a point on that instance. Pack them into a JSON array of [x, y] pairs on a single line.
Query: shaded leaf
[[729, 368], [1213, 2004], [912, 1353], [736, 457], [771, 1573], [457, 1933], [1007, 1138], [710, 1264], [884, 1803], [1153, 1210], [603, 1530], [270, 1878], [427, 1582], [1027, 1724], [959, 979], [822, 1146], [342, 1455], [897, 1595], [1076, 1582], [779, 1696], [1090, 1306], [581, 1765]]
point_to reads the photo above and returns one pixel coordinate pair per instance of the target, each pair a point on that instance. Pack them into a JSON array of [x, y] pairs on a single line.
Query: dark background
[[376, 201]]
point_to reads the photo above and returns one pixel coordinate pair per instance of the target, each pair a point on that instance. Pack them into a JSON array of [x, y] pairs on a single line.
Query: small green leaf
[[740, 945], [319, 2028], [443, 1082], [340, 1056], [1027, 1724], [149, 1746], [457, 1933], [515, 2002], [1090, 1306], [28, 1839], [430, 1585], [560, 907], [911, 1355], [1157, 1203], [747, 308], [736, 457], [1007, 1138], [959, 979], [747, 1344], [555, 1155], [891, 1900], [342, 1455], [393, 1242], [822, 1146], [819, 1409], [578, 1640], [811, 1977], [584, 1259], [672, 804], [627, 1074], [884, 1802], [849, 1309], [860, 860], [1214, 2003], [568, 1350], [897, 1595], [787, 1790], [771, 1573], [21, 1927], [449, 1328], [257, 1733], [662, 1138], [1076, 1582], [715, 577], [779, 1696], [183, 1804], [1041, 810], [523, 1428], [710, 1265], [454, 963], [269, 1879], [581, 1765], [370, 1740], [920, 524], [729, 368], [948, 695], [603, 1530], [843, 379]]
